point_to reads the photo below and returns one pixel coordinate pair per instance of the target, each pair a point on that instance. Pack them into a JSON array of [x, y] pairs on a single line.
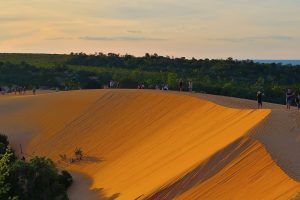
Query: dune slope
[[135, 142], [242, 170], [279, 132]]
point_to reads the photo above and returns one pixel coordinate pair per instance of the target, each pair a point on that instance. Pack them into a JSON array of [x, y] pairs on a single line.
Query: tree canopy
[[238, 78], [35, 179]]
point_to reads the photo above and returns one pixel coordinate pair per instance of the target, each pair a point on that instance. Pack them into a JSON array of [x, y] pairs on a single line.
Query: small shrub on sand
[[63, 157], [78, 153]]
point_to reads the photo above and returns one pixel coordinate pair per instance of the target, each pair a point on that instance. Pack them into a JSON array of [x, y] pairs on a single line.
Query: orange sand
[[138, 142], [252, 173], [243, 170]]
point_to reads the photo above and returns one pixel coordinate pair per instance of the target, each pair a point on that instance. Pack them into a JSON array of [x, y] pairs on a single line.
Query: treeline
[[35, 179], [223, 77]]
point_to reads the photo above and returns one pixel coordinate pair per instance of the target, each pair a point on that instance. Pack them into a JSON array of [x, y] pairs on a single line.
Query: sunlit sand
[[152, 144]]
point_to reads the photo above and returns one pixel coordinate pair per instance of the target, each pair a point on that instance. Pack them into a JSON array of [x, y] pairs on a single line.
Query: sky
[[242, 29]]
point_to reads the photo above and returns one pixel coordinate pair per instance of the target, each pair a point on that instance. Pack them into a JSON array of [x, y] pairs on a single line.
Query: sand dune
[[149, 144], [251, 172], [242, 170], [279, 132]]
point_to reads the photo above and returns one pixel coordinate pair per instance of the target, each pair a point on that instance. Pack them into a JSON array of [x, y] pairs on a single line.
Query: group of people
[[165, 87], [141, 86], [181, 86], [114, 84], [190, 85], [290, 97], [21, 90]]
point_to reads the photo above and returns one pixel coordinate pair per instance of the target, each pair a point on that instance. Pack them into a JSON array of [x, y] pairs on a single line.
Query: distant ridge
[[283, 62]]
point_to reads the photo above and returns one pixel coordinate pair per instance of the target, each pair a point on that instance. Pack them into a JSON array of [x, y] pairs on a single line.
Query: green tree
[[66, 179], [5, 162], [3, 143], [37, 179], [172, 80]]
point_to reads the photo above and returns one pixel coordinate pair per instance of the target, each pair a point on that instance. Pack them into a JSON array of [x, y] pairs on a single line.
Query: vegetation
[[5, 164], [33, 180], [223, 77], [3, 143], [78, 153]]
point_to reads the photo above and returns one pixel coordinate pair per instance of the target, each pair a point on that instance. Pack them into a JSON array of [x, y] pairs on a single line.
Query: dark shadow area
[[81, 189], [64, 159], [100, 194], [203, 172], [91, 159]]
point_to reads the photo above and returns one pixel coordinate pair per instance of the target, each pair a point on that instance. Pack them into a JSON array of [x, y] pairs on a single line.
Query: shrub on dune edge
[[35, 179]]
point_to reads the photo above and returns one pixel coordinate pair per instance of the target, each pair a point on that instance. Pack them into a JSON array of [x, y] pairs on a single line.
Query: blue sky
[[192, 28]]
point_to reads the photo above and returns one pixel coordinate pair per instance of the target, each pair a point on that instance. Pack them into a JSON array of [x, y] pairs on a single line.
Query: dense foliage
[[37, 179], [224, 77], [3, 143]]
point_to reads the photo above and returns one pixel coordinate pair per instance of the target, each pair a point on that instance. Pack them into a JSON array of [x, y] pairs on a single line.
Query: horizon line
[[171, 56]]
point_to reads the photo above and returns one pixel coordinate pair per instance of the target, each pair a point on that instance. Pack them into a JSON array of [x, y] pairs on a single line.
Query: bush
[[34, 180], [5, 171], [66, 179], [2, 148], [3, 143]]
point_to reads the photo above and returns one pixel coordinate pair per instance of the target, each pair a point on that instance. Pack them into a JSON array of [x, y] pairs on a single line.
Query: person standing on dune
[[111, 84], [259, 96], [289, 96], [33, 90], [180, 85], [190, 86], [23, 90], [297, 100]]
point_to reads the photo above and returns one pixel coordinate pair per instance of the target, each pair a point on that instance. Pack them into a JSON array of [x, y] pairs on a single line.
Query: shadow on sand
[[80, 189], [92, 159], [203, 172], [66, 161]]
